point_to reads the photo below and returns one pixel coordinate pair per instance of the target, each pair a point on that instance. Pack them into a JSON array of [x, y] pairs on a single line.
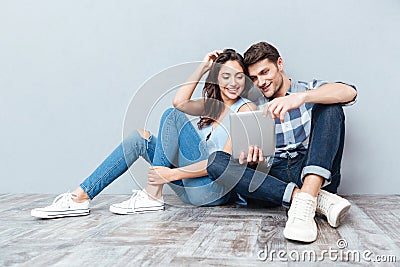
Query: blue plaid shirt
[[292, 136]]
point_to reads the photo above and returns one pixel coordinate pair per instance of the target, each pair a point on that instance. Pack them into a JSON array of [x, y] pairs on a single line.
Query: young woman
[[179, 155]]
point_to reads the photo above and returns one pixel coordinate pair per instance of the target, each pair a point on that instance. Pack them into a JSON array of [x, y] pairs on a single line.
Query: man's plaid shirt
[[292, 136]]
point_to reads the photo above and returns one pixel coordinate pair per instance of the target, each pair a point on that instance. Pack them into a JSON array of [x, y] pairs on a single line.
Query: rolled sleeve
[[313, 84], [352, 102]]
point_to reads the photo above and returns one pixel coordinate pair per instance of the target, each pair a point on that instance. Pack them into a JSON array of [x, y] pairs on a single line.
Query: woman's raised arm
[[182, 99]]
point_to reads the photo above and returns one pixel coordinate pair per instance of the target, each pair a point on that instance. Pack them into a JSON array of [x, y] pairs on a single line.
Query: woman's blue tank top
[[216, 139]]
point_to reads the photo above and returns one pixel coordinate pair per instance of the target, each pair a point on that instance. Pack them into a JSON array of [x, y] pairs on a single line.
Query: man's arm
[[331, 93]]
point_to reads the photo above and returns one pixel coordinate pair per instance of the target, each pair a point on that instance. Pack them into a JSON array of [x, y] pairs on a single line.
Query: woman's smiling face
[[231, 80]]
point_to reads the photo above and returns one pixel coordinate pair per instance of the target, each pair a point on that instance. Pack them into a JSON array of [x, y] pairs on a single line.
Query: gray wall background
[[69, 70]]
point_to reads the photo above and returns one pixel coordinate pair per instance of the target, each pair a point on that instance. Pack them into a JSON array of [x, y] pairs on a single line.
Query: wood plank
[[230, 235]]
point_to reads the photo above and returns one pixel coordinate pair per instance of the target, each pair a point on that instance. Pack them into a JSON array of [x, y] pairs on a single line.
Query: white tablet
[[252, 128]]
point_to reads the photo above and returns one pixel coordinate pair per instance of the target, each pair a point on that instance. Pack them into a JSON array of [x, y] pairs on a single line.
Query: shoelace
[[62, 200], [323, 203], [135, 195], [303, 209]]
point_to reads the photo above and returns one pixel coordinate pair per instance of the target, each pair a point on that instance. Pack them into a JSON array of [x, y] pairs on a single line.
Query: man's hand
[[254, 155], [280, 105], [159, 175]]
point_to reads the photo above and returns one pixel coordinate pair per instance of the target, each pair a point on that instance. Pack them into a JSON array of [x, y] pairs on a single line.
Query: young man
[[309, 146]]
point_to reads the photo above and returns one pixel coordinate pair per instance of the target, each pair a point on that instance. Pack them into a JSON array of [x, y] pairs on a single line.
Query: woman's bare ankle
[[154, 192], [78, 195]]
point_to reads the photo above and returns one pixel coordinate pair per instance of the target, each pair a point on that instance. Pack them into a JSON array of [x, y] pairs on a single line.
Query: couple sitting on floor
[[195, 160]]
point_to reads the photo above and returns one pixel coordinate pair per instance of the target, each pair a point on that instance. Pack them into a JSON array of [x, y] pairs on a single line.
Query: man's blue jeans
[[178, 145], [323, 157]]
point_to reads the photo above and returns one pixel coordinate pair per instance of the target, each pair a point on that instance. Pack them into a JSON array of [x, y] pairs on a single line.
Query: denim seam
[[327, 180], [165, 140], [310, 145], [148, 141]]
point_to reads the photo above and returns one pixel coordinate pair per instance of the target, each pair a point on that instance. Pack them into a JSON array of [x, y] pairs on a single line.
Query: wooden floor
[[186, 235]]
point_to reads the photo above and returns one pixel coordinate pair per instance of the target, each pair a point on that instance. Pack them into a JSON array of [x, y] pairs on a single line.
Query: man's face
[[268, 77]]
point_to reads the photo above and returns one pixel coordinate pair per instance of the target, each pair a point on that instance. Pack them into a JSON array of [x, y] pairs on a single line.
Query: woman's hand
[[209, 59], [159, 175]]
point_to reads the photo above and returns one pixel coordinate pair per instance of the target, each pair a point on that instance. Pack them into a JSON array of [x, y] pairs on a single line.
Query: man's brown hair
[[260, 51]]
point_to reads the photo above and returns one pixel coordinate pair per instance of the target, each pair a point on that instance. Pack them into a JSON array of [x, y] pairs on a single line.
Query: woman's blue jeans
[[178, 145]]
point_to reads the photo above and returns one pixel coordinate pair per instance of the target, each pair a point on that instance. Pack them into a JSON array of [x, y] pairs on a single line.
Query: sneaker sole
[[59, 214], [297, 237], [336, 223], [123, 211]]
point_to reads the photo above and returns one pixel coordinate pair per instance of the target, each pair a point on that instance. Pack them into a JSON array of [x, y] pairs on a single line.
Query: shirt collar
[[290, 90]]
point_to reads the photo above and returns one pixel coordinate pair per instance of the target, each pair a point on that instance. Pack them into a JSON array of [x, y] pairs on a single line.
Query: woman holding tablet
[[179, 155]]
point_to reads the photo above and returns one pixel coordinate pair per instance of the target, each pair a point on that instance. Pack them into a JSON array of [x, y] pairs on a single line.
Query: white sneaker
[[333, 207], [300, 225], [63, 206], [138, 203]]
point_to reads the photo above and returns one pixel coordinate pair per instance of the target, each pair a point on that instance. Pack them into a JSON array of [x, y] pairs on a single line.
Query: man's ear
[[279, 64]]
